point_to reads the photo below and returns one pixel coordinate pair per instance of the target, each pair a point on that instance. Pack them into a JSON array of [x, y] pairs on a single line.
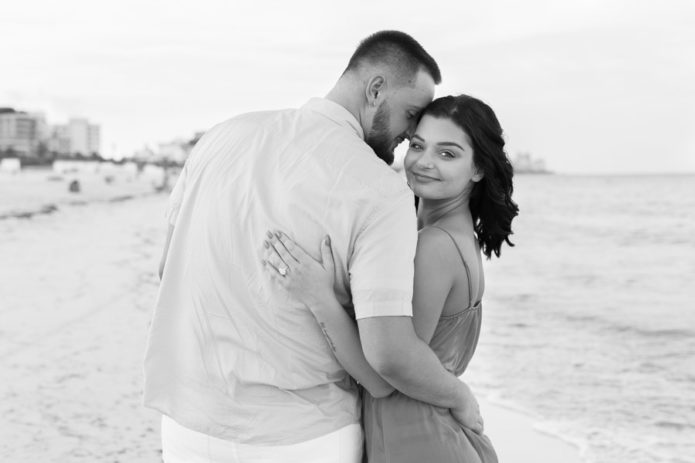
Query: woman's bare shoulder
[[454, 245], [434, 244]]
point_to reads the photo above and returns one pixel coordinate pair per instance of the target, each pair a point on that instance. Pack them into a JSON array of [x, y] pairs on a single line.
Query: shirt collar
[[336, 113]]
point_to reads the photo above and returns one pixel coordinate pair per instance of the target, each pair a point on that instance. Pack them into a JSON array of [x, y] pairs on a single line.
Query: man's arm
[[393, 349], [381, 279], [311, 282], [342, 336]]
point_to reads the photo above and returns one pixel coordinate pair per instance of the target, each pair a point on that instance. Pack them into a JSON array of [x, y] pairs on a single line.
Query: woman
[[457, 167]]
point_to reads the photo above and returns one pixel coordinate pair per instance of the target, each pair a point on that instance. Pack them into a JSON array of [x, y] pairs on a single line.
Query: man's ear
[[375, 89]]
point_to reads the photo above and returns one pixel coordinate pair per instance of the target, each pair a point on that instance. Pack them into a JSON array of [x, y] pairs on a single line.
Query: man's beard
[[379, 138]]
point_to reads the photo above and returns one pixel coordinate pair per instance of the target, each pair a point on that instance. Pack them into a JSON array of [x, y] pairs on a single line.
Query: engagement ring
[[282, 270]]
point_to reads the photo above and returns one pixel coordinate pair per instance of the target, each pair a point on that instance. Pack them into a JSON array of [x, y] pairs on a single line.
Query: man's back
[[231, 356]]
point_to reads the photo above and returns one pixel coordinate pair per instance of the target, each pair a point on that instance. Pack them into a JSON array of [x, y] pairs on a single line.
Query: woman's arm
[[435, 269], [311, 282], [342, 336]]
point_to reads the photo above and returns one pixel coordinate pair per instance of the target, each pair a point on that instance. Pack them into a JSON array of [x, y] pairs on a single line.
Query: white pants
[[182, 445]]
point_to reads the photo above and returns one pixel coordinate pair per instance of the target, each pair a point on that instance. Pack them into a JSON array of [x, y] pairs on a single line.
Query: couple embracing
[[308, 312]]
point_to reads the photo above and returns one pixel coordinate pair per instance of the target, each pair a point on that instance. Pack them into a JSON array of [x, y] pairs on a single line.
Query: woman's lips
[[424, 178]]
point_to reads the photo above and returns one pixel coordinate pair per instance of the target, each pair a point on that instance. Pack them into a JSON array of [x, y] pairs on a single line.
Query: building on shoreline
[[22, 133], [524, 163], [59, 140], [27, 135], [77, 137]]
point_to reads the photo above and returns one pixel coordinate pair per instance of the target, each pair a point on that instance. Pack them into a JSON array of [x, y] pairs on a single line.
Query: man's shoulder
[[311, 131], [240, 126], [366, 169], [355, 160]]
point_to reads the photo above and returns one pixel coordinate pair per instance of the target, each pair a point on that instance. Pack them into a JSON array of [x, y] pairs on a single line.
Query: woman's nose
[[425, 161]]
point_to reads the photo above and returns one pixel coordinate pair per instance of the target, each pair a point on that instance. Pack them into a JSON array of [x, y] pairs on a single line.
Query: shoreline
[[517, 437], [51, 208], [43, 192]]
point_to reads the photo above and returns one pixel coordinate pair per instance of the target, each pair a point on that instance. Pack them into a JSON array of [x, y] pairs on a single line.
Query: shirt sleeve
[[382, 264], [176, 197]]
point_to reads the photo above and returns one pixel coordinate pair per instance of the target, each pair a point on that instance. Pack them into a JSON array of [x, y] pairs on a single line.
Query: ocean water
[[589, 321]]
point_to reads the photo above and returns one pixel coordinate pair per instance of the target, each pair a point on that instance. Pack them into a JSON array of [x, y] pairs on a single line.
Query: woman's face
[[439, 162]]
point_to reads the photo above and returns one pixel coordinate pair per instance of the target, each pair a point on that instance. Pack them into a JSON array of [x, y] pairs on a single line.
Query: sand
[[516, 439], [76, 296], [77, 291]]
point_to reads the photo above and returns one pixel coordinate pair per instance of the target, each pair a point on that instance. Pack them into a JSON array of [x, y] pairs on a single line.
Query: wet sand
[[516, 439]]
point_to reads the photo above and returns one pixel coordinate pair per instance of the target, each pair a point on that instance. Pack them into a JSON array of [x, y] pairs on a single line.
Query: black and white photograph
[[347, 232]]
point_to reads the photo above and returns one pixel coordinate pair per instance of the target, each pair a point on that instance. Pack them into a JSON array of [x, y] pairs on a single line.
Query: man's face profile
[[379, 137], [394, 120]]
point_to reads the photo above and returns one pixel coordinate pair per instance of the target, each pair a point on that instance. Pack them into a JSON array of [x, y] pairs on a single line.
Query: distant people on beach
[[239, 368], [457, 167]]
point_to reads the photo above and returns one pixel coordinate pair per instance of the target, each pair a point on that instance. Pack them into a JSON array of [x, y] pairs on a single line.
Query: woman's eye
[[447, 154], [415, 146]]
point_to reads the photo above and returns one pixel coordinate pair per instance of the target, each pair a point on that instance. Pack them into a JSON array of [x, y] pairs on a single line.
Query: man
[[241, 372]]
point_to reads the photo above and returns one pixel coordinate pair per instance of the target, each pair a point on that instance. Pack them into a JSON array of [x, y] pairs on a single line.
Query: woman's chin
[[418, 190]]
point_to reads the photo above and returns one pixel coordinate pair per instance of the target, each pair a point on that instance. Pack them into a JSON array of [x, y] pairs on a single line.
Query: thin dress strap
[[468, 271]]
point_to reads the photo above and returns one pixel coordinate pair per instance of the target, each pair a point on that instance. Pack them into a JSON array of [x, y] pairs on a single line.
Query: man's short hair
[[399, 51]]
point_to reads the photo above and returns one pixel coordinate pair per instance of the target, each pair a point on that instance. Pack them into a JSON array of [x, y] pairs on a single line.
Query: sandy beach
[[516, 439], [78, 289], [41, 190], [77, 293]]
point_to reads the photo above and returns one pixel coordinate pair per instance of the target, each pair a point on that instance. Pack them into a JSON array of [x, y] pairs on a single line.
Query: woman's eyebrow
[[451, 143]]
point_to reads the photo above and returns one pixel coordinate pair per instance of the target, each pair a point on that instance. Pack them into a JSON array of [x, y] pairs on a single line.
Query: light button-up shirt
[[229, 353]]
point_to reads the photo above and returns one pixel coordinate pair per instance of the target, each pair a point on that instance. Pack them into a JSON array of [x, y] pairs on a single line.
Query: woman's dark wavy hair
[[491, 202]]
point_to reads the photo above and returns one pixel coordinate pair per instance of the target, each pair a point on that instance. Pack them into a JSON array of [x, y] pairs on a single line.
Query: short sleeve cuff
[[382, 303]]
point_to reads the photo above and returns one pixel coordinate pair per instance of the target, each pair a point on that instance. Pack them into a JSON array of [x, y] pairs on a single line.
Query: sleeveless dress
[[399, 429]]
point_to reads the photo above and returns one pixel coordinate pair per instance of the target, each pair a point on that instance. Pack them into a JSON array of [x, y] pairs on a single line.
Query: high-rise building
[[27, 134], [84, 137], [78, 136], [21, 132], [59, 140]]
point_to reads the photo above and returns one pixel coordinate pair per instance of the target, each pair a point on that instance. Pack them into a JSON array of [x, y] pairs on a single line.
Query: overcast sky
[[590, 86]]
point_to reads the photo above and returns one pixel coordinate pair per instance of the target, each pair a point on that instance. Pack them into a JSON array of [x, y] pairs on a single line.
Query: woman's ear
[[478, 176]]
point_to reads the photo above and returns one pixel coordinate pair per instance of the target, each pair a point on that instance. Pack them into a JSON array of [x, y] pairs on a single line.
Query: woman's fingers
[[281, 249], [293, 249], [275, 275], [286, 257], [272, 256]]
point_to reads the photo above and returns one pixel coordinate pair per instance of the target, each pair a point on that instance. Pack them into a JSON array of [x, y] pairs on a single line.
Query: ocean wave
[[555, 429], [624, 327]]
